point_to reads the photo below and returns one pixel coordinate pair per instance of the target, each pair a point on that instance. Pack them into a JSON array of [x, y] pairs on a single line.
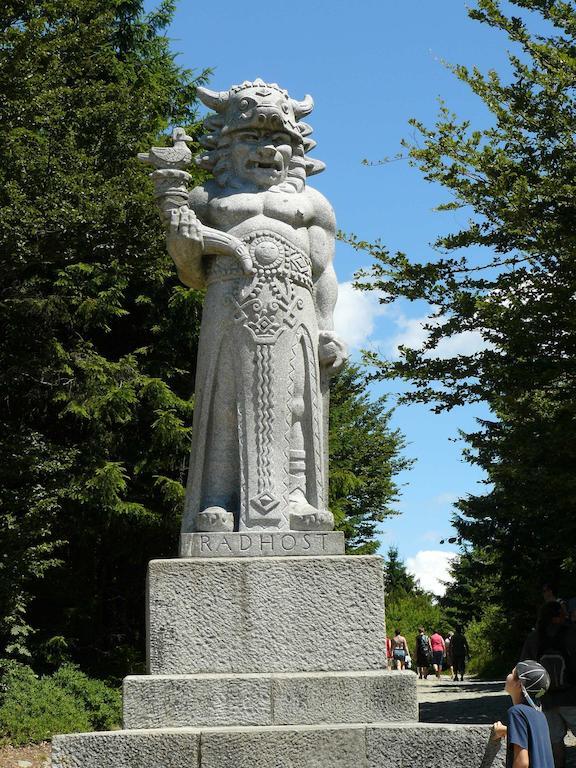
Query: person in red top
[[438, 650], [388, 652]]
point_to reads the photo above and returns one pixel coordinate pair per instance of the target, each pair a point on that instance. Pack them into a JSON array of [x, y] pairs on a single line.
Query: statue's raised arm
[[261, 242]]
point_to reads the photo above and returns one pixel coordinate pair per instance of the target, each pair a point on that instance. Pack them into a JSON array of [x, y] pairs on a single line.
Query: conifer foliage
[[518, 179], [365, 459], [98, 339]]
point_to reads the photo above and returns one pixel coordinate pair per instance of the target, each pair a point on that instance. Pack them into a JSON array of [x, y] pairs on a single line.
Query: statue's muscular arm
[[198, 201], [322, 232]]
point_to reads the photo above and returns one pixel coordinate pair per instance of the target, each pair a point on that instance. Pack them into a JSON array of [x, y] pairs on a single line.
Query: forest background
[[99, 342]]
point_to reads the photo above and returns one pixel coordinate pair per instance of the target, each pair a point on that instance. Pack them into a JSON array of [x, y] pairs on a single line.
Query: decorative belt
[[273, 256]]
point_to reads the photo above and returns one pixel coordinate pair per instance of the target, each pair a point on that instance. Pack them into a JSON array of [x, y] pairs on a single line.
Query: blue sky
[[370, 66]]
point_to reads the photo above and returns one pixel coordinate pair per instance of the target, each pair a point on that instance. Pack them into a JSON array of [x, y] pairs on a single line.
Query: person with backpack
[[527, 738], [423, 653], [460, 653], [553, 644]]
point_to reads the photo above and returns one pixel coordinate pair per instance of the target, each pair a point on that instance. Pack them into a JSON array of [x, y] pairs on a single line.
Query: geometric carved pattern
[[266, 306], [270, 303], [265, 415]]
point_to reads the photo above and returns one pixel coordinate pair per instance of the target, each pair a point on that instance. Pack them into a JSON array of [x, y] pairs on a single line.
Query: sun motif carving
[[266, 252]]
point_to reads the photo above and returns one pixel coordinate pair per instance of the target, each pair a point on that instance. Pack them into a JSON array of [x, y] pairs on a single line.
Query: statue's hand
[[332, 352], [185, 244], [184, 234]]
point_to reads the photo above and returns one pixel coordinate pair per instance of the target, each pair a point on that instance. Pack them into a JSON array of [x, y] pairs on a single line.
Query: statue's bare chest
[[269, 209]]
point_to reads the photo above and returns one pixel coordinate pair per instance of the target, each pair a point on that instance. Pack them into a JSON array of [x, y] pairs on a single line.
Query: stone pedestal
[[277, 614], [270, 662]]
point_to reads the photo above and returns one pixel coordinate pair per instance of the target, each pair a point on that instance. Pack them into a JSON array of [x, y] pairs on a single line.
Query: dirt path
[[33, 756], [442, 701]]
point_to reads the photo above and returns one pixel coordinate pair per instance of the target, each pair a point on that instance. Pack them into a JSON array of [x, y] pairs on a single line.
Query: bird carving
[[178, 156]]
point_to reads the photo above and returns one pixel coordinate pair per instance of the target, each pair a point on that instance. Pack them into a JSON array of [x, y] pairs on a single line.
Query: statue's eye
[[246, 103]]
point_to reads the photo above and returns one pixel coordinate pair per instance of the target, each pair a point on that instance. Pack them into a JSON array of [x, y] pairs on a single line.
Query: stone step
[[265, 614], [176, 701], [372, 745]]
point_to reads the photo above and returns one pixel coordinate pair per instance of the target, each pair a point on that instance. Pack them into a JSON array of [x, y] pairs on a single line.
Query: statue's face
[[261, 157]]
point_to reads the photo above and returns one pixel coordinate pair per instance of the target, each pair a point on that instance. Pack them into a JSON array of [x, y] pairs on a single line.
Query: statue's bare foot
[[305, 517], [215, 520]]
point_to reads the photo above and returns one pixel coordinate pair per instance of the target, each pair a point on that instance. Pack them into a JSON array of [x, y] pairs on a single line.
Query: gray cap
[[534, 679]]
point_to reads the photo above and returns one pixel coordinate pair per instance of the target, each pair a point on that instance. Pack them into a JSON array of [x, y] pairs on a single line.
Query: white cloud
[[355, 317], [430, 567], [355, 314], [412, 334], [465, 343]]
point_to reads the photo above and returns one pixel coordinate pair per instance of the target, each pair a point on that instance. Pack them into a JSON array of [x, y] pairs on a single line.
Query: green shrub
[[488, 658], [34, 708], [101, 701]]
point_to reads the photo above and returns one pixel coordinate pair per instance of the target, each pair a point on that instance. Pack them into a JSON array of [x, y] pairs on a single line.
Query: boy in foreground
[[528, 738]]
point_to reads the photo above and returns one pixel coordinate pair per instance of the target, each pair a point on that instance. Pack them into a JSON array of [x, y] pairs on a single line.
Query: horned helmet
[[256, 105]]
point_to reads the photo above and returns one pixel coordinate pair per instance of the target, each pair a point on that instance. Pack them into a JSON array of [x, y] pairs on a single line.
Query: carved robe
[[258, 425]]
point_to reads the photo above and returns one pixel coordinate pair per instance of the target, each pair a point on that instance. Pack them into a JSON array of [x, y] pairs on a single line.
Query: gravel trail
[[443, 701]]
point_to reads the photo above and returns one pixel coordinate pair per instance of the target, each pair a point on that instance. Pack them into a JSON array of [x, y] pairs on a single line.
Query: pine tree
[[365, 457], [398, 581], [98, 342]]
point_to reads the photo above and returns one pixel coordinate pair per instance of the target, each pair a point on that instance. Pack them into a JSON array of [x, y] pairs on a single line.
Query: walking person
[[399, 650], [423, 654], [527, 737], [448, 644], [388, 653], [438, 650], [460, 653], [553, 643]]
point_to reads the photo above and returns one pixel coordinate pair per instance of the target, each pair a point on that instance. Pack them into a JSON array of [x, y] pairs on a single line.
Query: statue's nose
[[268, 149]]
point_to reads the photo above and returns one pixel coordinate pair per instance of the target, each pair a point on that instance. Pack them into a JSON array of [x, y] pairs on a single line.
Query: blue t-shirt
[[528, 728]]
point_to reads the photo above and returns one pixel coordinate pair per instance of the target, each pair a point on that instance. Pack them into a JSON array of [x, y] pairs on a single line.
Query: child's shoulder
[[526, 713], [521, 708]]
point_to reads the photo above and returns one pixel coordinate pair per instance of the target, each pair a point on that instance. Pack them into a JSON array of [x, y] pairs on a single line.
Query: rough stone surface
[[337, 747], [286, 614], [185, 700], [430, 746], [353, 697], [375, 745], [261, 242], [274, 699], [127, 749], [274, 544]]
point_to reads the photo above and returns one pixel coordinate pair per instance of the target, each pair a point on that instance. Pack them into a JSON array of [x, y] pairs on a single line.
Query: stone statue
[[261, 242]]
